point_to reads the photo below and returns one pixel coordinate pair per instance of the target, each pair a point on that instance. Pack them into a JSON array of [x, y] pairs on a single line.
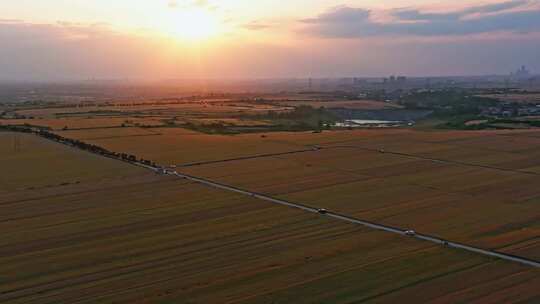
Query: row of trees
[[78, 144]]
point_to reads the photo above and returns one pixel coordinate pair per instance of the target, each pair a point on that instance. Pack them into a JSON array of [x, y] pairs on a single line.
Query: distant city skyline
[[232, 39]]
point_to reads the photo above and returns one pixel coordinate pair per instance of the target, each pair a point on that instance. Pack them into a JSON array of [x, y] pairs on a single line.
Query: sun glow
[[192, 25]]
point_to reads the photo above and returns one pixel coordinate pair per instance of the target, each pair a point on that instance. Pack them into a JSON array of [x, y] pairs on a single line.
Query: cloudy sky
[[161, 39]]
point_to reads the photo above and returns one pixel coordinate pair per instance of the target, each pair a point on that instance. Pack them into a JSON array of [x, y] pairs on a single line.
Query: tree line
[[78, 144]]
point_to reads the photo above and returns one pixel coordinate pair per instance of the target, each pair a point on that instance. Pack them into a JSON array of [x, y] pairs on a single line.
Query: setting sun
[[193, 24]]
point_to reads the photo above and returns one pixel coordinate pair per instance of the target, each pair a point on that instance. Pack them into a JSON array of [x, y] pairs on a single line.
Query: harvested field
[[480, 189], [104, 134], [230, 122], [84, 123], [180, 146], [145, 238], [184, 109], [29, 162]]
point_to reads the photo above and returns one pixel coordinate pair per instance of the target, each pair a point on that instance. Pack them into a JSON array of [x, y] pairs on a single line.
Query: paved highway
[[353, 220]]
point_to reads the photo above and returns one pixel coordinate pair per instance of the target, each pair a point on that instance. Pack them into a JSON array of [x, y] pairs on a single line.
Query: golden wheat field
[[179, 146], [32, 163], [85, 122], [195, 108], [125, 234], [456, 188]]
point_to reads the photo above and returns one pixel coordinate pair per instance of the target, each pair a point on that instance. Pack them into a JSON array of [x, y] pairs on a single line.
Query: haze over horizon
[[231, 39]]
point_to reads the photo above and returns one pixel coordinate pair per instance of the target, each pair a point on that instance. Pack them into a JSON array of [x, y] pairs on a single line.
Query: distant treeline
[[302, 118], [447, 102], [306, 116], [460, 123]]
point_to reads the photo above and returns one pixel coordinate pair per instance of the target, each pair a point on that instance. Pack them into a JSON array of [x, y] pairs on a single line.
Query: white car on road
[[410, 232]]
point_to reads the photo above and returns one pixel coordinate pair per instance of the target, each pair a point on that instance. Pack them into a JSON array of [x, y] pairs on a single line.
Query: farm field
[[193, 108], [137, 237], [486, 196], [180, 146], [84, 123], [106, 133], [229, 122], [516, 151], [32, 163]]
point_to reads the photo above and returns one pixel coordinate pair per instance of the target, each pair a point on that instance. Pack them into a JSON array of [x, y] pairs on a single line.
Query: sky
[[231, 39]]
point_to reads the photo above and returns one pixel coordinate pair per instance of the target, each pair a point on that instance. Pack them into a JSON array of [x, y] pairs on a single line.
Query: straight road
[[338, 216], [345, 218]]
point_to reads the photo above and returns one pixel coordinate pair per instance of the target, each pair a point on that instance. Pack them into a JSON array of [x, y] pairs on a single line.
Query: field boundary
[[369, 224], [202, 163], [307, 208], [435, 160]]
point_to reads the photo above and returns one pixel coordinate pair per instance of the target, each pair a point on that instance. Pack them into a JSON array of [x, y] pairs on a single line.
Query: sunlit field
[[486, 197], [83, 227], [269, 152], [126, 235]]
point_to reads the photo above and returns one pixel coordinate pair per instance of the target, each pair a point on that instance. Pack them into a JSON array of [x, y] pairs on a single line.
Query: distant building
[[521, 74], [394, 83]]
